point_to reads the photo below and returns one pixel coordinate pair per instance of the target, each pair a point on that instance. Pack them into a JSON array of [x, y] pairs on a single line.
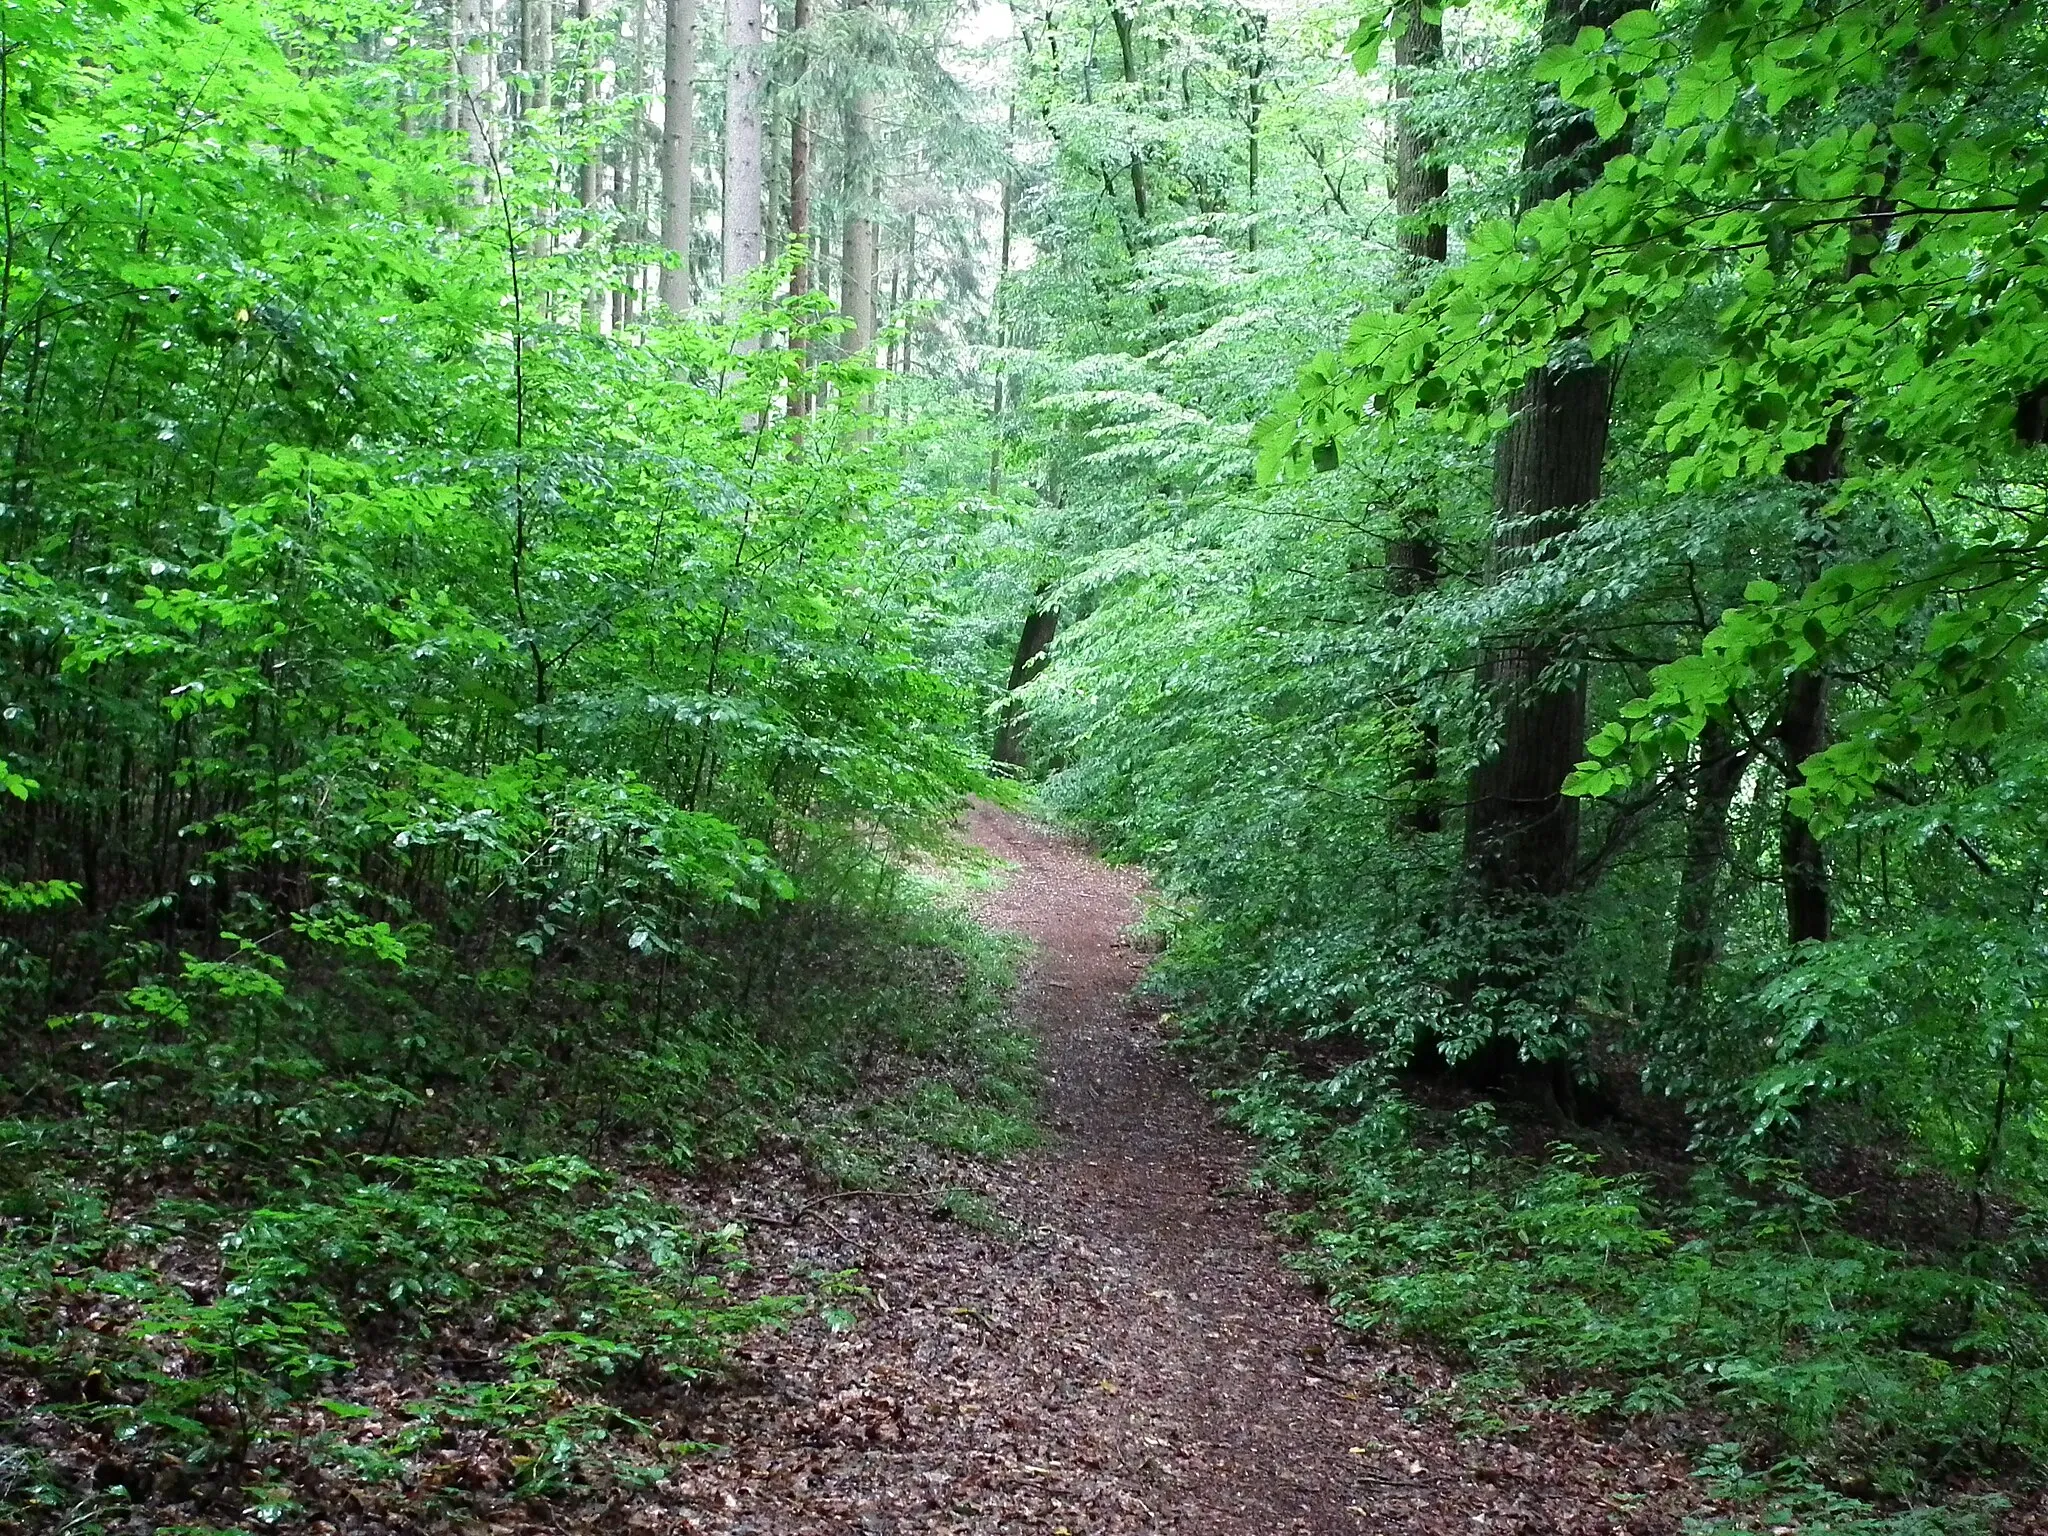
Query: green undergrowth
[[1836, 1380], [244, 1278], [975, 1088]]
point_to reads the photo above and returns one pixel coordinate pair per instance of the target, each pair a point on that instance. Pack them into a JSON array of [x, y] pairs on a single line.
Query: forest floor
[[1117, 1345]]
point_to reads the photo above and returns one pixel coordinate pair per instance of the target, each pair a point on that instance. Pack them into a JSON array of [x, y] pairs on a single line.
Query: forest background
[[520, 518]]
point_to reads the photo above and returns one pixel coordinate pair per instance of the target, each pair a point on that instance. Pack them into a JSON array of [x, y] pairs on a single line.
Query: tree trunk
[[473, 80], [800, 155], [858, 253], [1522, 832], [1414, 566], [541, 67], [1127, 42], [741, 248], [1419, 184], [1696, 926], [589, 172], [800, 188], [678, 141], [997, 432], [1033, 646], [1803, 731], [1255, 101]]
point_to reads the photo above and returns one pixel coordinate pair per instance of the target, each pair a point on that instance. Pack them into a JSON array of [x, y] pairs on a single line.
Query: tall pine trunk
[[800, 186], [858, 251], [540, 18], [741, 247], [1803, 729], [678, 142]]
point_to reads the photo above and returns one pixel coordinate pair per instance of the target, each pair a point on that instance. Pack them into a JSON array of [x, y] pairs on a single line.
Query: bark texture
[[590, 172], [678, 145], [1522, 832], [1803, 731], [1419, 181], [858, 249], [1033, 650], [1696, 924], [741, 243]]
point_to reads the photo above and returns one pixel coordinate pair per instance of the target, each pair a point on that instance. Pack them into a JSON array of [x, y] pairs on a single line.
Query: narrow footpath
[[1135, 1357]]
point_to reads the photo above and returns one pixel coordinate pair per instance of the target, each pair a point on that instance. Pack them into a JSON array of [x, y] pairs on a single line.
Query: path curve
[[1140, 1360]]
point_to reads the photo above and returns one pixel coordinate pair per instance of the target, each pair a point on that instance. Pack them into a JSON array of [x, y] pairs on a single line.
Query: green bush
[[1554, 1282]]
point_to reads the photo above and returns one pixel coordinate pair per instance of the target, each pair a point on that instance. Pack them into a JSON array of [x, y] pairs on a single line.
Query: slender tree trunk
[[678, 140], [458, 42], [998, 423], [906, 359], [1803, 729], [1414, 565], [1255, 101], [858, 253], [473, 72], [589, 172], [800, 186], [541, 16], [800, 154], [1696, 924], [1809, 912], [1522, 831], [1033, 648], [1127, 43], [741, 248]]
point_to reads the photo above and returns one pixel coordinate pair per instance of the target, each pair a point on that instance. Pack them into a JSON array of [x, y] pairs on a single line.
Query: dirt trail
[[1140, 1360]]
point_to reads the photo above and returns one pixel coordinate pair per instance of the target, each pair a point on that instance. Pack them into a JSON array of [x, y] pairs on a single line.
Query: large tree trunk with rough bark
[[1419, 181], [678, 144], [1522, 831]]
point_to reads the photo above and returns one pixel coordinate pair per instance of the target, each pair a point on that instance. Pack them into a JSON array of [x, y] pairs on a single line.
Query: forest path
[[1137, 1359]]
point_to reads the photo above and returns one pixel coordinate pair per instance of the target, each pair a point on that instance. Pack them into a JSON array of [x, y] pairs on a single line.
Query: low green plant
[[1561, 1285]]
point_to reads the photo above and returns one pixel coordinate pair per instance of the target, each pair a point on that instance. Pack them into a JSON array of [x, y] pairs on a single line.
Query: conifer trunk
[[1041, 625], [741, 247], [1696, 926], [678, 142], [858, 252], [800, 156]]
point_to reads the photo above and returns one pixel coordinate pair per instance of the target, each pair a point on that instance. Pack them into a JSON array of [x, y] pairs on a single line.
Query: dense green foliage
[[1526, 517], [454, 764], [1684, 427]]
